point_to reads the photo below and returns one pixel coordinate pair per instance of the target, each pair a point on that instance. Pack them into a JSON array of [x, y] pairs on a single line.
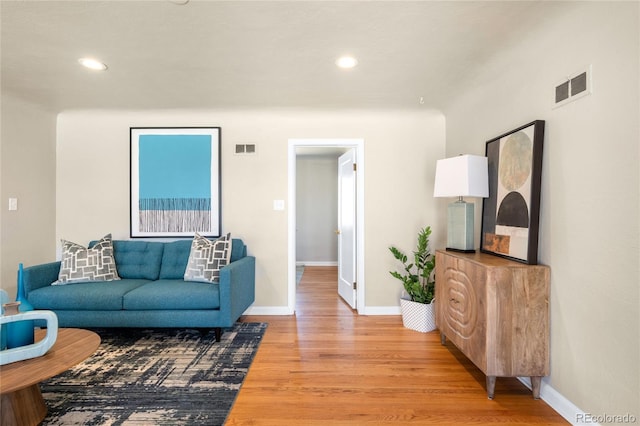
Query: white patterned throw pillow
[[81, 264], [207, 258]]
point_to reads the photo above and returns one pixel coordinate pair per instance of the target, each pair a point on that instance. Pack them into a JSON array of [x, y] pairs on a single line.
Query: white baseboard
[[562, 405], [380, 310], [316, 263], [268, 310]]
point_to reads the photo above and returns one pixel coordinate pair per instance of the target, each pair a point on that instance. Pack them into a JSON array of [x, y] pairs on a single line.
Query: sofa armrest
[[39, 276], [237, 289]]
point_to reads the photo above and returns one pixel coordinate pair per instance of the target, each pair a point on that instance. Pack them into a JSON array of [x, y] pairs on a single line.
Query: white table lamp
[[462, 176]]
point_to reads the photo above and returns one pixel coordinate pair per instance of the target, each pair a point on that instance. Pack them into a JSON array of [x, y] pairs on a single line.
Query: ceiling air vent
[[572, 88]]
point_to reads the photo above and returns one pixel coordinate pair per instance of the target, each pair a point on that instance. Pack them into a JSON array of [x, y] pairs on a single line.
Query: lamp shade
[[462, 176]]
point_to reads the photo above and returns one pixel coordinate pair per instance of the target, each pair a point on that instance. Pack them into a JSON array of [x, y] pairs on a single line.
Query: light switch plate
[[13, 204], [278, 204]]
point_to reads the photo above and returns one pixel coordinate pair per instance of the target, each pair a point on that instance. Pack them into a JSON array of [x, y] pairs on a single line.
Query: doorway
[[322, 147]]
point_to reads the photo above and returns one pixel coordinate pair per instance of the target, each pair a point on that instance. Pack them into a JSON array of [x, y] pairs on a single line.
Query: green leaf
[[418, 279]]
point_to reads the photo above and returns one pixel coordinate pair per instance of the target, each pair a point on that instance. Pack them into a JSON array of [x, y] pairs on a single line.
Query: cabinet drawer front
[[461, 307]]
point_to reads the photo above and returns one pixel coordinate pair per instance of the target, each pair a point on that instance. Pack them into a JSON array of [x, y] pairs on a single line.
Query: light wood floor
[[328, 365]]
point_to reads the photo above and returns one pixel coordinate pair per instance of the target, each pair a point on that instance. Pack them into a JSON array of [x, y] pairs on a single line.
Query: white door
[[347, 227]]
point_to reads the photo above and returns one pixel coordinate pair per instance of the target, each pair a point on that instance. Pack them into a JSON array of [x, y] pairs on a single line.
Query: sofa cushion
[[81, 264], [238, 250], [206, 258], [174, 259], [176, 256], [99, 296], [138, 259], [173, 294]]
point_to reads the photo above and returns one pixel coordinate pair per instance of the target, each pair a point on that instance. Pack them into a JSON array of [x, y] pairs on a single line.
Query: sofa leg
[[218, 332]]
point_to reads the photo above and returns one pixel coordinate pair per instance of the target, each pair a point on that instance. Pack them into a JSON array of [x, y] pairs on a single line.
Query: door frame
[[358, 145]]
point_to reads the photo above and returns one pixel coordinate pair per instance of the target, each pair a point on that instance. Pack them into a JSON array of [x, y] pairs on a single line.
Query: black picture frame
[[511, 213], [175, 188]]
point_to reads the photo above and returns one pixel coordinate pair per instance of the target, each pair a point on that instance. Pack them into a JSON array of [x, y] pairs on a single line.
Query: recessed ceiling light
[[92, 64], [347, 62]]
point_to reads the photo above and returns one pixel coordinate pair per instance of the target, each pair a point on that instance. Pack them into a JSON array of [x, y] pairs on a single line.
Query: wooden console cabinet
[[496, 311]]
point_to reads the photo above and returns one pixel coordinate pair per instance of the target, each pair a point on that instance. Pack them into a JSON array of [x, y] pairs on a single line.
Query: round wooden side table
[[22, 402]]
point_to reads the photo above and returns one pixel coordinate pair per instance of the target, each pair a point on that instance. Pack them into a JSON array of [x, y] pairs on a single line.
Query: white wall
[[317, 209], [590, 188], [401, 150], [27, 173]]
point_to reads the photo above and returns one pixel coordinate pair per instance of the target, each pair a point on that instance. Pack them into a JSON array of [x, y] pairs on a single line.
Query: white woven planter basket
[[418, 316]]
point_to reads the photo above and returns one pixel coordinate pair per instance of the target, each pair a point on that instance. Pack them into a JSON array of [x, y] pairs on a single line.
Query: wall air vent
[[249, 148], [573, 87]]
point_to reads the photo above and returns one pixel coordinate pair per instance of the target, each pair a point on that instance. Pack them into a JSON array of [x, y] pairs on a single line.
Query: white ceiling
[[253, 54]]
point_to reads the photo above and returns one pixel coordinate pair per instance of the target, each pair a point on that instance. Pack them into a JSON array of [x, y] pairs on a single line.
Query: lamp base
[[460, 226]]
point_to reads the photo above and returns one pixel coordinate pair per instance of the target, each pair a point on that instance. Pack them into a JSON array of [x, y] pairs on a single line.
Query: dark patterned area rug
[[154, 377]]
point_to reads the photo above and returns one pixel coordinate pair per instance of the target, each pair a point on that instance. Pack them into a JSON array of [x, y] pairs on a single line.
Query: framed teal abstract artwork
[[175, 181]]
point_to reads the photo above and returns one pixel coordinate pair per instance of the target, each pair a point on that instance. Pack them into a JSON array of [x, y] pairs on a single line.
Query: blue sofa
[[151, 292]]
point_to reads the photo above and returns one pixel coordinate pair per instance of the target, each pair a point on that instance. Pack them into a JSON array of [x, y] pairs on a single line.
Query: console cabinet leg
[[443, 338], [535, 386], [491, 386]]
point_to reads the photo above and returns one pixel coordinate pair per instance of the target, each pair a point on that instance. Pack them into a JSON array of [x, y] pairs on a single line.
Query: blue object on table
[[34, 349], [4, 298], [20, 333]]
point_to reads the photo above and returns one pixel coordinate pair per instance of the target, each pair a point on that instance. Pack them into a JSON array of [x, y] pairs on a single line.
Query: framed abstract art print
[[510, 215], [175, 181]]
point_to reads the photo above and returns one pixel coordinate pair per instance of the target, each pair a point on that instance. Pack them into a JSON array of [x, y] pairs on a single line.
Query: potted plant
[[418, 310]]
